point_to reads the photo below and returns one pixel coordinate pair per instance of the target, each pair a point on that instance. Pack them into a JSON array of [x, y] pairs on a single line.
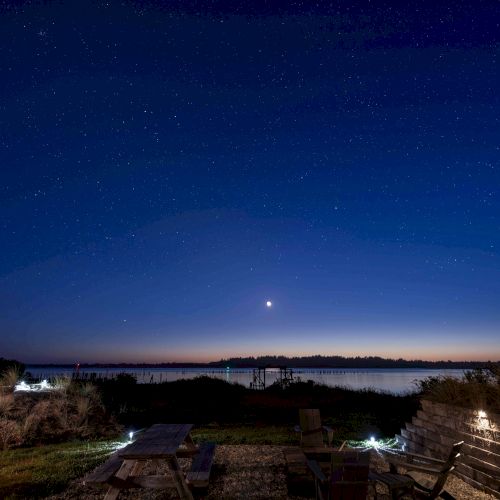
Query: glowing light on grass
[[379, 445], [44, 385], [130, 435]]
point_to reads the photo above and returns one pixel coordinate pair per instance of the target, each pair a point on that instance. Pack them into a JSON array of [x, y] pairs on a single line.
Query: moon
[[269, 303]]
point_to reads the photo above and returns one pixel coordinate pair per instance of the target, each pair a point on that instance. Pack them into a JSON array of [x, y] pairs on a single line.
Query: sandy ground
[[249, 472]]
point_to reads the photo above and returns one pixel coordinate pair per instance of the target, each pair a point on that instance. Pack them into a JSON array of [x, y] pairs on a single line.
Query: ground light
[[379, 445], [44, 385]]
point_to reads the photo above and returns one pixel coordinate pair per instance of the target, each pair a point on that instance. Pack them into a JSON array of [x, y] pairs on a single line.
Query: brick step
[[444, 438]]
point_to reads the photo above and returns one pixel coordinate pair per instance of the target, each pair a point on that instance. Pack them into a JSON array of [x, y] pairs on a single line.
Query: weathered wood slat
[[102, 473], [124, 471], [199, 474], [159, 441], [439, 443], [157, 481]]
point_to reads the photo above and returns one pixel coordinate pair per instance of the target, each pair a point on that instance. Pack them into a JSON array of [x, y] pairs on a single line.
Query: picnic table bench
[[161, 442]]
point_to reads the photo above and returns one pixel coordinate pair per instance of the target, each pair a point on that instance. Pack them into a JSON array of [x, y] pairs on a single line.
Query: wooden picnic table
[[160, 443]]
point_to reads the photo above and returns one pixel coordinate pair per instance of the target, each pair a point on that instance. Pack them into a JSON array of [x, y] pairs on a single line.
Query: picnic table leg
[[124, 471], [180, 482], [190, 443]]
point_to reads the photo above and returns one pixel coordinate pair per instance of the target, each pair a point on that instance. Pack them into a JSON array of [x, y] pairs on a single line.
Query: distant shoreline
[[309, 362]]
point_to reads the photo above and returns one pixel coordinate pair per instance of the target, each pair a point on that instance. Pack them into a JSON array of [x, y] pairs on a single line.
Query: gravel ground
[[248, 472]]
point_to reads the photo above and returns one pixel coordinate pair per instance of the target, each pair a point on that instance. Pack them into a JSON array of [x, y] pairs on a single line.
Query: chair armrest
[[423, 457], [316, 470], [427, 468], [413, 459], [423, 468], [297, 428]]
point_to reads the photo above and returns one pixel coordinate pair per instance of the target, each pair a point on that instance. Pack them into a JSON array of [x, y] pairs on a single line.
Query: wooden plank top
[[106, 470], [159, 441]]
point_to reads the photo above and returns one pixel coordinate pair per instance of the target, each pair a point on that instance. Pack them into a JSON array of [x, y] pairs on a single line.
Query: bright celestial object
[[269, 303]]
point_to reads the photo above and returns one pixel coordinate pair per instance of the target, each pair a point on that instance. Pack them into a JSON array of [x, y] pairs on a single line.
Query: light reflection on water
[[396, 380]]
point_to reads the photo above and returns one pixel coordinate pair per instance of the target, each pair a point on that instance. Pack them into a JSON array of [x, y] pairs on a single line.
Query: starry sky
[[167, 168]]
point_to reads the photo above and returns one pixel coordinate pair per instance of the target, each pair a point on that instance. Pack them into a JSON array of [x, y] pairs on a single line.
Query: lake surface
[[395, 380]]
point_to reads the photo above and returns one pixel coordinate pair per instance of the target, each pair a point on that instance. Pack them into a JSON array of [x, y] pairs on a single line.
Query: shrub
[[9, 379], [476, 389], [6, 402], [74, 411], [10, 433], [7, 364]]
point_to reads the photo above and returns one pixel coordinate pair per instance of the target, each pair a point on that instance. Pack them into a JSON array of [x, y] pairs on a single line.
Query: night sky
[[167, 168]]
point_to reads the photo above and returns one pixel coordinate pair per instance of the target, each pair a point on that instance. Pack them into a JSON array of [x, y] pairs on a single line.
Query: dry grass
[[74, 411], [10, 433], [476, 389], [62, 383], [6, 403], [9, 379]]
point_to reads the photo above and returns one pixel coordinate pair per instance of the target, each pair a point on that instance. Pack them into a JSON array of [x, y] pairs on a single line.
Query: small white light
[[372, 439], [130, 435], [481, 414], [269, 303]]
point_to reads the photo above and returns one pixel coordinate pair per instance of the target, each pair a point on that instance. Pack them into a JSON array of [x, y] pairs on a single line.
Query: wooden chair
[[347, 479], [312, 433], [417, 466]]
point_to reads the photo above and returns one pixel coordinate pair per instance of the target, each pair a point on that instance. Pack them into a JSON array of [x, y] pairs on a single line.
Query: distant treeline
[[343, 362], [302, 362]]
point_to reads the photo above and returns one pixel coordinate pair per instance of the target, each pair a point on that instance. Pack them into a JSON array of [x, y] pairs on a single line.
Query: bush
[[74, 410], [9, 378], [478, 388], [7, 364], [10, 433]]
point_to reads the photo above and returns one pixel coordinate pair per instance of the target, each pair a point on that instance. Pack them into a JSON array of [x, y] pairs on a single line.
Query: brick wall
[[437, 426]]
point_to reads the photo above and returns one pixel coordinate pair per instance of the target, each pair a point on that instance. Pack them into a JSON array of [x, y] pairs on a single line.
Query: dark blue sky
[[167, 168]]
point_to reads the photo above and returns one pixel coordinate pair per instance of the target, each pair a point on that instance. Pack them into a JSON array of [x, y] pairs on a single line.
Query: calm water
[[396, 380]]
